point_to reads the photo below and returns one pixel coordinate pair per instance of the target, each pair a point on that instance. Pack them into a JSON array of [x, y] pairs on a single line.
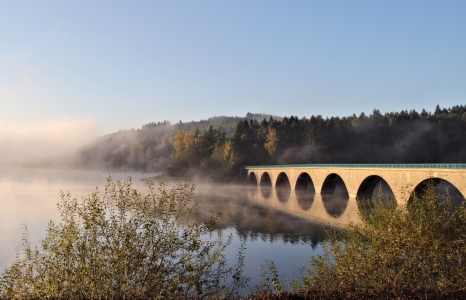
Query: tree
[[184, 155], [230, 159], [119, 244], [272, 142], [403, 249]]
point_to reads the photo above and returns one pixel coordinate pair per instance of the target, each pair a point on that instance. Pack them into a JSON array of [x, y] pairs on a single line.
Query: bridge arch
[[335, 195], [304, 182], [282, 180], [252, 179], [305, 191], [372, 186], [266, 185], [265, 180], [442, 187], [283, 187], [334, 184]]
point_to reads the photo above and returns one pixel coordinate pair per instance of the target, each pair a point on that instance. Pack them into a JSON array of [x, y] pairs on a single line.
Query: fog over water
[[272, 231], [277, 224], [30, 196], [54, 141]]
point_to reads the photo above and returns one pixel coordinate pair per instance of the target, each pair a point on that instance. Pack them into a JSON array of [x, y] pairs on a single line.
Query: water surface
[[283, 226]]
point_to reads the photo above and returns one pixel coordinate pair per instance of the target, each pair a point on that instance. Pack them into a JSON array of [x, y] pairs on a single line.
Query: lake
[[279, 225]]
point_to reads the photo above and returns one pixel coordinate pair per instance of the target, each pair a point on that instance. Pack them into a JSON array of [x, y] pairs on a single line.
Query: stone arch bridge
[[360, 180]]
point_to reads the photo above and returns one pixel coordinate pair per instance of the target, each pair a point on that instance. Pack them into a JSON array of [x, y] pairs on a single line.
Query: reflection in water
[[266, 191], [283, 194], [252, 220], [270, 233], [335, 196], [30, 196], [305, 191], [252, 191], [335, 205], [305, 198], [266, 185], [311, 206], [283, 187]]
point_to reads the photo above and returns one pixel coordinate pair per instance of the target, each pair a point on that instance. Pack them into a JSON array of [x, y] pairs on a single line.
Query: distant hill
[[260, 117], [228, 124], [126, 149]]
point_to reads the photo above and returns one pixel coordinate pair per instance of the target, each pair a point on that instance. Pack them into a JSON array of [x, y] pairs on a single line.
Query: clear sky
[[121, 64]]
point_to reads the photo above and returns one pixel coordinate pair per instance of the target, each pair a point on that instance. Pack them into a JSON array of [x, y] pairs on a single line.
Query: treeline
[[394, 137], [150, 147], [221, 146]]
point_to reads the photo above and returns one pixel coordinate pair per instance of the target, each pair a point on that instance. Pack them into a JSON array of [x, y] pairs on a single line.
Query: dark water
[[277, 225]]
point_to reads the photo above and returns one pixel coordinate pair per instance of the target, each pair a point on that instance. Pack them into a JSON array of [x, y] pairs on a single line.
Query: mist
[[44, 143]]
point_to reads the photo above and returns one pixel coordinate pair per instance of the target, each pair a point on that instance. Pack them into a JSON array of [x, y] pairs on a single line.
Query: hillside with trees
[[150, 147], [219, 147]]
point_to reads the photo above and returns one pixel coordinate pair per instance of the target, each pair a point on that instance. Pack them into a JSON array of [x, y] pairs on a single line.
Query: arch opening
[[265, 180], [305, 191], [441, 187], [335, 195], [334, 185], [252, 179], [283, 181], [283, 188], [266, 185], [373, 187]]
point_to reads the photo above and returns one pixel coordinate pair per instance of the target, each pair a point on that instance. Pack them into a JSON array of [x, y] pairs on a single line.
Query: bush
[[119, 244], [419, 247]]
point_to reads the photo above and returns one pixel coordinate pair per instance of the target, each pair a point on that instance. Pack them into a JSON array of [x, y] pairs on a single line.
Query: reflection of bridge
[[361, 180], [330, 210]]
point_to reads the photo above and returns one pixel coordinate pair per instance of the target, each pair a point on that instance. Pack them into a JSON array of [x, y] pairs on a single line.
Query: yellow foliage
[[272, 142]]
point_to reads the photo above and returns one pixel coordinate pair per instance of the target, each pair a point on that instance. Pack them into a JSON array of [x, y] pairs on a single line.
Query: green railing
[[386, 166]]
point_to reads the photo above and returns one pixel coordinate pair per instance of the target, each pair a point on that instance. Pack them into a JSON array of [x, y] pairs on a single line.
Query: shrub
[[119, 244], [419, 247]]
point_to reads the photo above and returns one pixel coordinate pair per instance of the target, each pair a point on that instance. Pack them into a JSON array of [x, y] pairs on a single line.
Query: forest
[[219, 147]]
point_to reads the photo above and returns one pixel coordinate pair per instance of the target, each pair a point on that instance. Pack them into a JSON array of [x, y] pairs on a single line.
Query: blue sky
[[121, 64]]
